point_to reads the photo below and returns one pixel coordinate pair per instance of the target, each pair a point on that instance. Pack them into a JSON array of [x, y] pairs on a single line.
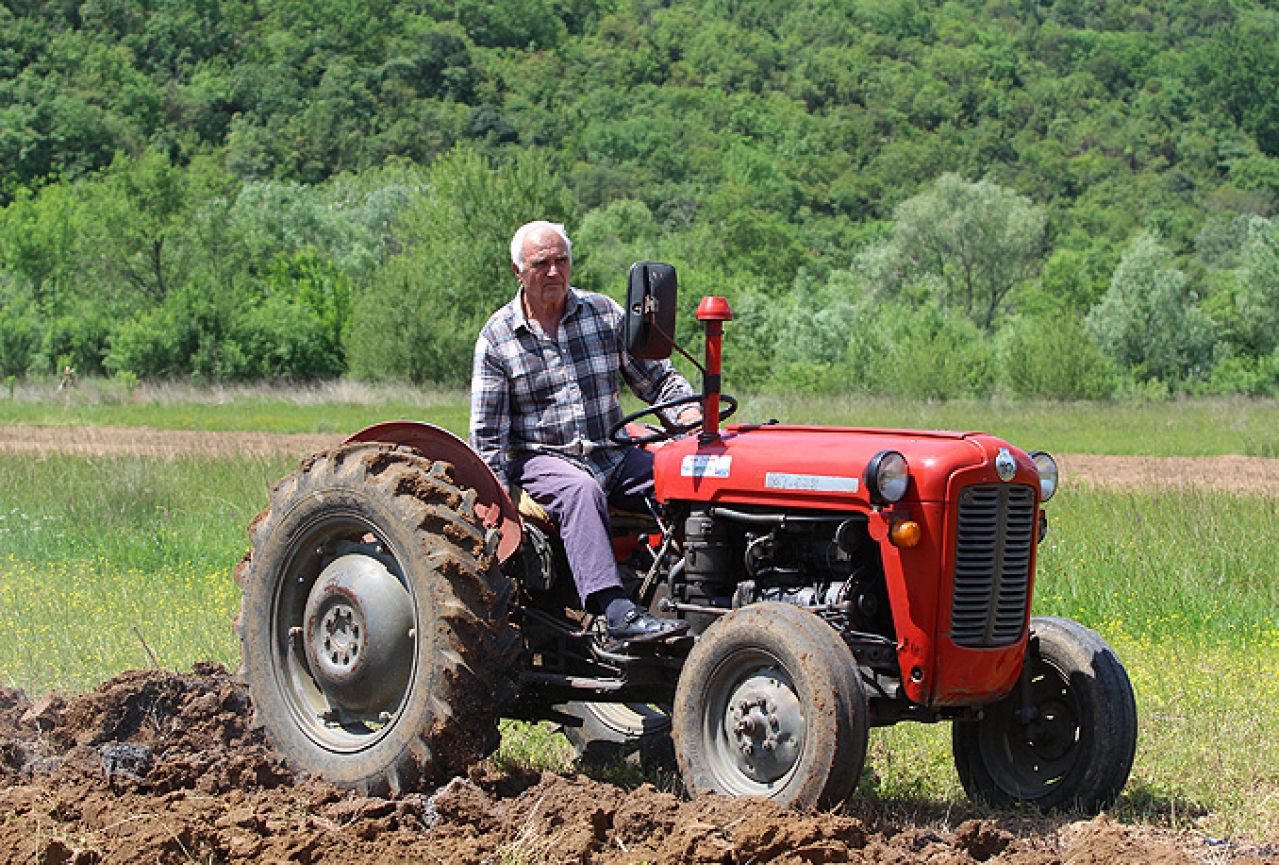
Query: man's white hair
[[517, 242]]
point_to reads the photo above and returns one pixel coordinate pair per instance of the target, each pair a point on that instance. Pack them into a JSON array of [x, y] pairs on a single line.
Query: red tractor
[[397, 601]]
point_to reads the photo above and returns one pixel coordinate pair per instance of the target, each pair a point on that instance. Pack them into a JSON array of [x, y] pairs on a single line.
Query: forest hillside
[[1044, 198]]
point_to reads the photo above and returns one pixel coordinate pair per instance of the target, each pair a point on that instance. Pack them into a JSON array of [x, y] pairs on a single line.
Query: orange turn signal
[[904, 533]]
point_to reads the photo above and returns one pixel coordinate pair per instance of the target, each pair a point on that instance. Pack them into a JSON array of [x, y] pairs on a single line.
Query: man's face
[[546, 266]]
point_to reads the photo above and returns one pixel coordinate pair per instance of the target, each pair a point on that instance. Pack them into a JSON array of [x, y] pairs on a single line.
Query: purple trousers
[[579, 506]]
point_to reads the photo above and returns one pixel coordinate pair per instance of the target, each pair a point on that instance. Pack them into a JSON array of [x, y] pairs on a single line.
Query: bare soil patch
[[1216, 474], [155, 766], [159, 443]]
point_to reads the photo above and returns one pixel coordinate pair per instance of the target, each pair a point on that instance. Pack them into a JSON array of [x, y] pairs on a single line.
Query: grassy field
[[1187, 428], [121, 562], [327, 408]]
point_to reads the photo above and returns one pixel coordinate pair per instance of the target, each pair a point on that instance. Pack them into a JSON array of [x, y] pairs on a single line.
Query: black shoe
[[639, 625]]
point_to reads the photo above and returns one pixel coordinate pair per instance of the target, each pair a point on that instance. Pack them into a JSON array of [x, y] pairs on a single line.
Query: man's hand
[[690, 416]]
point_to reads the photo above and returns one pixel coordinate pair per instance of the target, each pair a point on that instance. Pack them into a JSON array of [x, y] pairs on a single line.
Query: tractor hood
[[823, 467]]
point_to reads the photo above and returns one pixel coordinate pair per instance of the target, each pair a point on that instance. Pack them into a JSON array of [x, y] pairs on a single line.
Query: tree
[[1149, 320], [19, 329], [155, 203], [1258, 298], [419, 317], [1243, 62], [973, 242]]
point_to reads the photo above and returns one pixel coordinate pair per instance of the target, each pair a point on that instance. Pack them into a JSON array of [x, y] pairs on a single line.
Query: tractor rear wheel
[[374, 622], [770, 703], [1075, 747]]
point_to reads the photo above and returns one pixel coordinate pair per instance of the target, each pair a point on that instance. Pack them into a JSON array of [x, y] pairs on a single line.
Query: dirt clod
[[155, 766]]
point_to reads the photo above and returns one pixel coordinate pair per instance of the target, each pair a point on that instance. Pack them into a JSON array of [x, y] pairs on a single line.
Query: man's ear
[[515, 268]]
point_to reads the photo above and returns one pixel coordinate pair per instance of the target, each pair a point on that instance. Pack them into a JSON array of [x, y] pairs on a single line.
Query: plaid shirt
[[534, 394]]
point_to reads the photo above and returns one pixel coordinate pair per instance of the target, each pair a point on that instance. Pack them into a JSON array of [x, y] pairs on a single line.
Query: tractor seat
[[623, 522]]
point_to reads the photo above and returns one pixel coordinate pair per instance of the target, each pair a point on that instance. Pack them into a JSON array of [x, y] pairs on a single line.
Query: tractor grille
[[993, 546]]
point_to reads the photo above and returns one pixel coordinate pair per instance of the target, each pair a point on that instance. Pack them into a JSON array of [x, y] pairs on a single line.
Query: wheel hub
[[342, 636], [1053, 734], [765, 726], [358, 636]]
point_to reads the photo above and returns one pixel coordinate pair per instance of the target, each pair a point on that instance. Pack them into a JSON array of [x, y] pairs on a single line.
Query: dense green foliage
[[1056, 199]]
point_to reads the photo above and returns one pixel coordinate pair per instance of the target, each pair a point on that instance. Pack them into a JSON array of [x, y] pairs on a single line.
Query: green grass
[[336, 407], [102, 558], [1162, 564], [1184, 428], [1208, 731]]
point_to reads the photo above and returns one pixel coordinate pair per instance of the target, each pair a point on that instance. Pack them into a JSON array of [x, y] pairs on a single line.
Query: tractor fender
[[493, 504]]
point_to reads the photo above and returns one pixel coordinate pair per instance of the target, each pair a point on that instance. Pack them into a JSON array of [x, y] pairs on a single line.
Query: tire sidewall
[[825, 676], [1107, 718]]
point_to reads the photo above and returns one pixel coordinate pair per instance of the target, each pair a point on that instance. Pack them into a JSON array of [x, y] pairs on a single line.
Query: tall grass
[[1208, 732], [335, 407], [1166, 564], [104, 561], [1182, 428]]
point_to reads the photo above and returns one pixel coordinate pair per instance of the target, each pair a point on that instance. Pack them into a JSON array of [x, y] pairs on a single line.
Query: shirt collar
[[571, 305]]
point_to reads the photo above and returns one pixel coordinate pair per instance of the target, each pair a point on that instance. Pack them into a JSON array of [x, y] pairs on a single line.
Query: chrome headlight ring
[[1047, 467], [887, 477]]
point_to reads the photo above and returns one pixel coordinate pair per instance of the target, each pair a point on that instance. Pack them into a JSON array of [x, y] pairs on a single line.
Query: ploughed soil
[[158, 766]]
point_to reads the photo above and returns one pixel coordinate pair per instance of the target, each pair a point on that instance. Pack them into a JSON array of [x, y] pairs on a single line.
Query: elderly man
[[544, 396]]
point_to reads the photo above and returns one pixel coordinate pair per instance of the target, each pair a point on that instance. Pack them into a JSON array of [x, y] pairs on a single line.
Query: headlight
[[887, 477], [1047, 474]]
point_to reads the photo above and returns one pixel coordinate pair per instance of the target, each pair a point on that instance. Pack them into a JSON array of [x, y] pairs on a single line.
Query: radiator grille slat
[[994, 541]]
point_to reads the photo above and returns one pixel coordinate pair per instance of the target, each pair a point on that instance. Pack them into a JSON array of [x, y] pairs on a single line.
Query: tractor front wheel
[[770, 703], [1069, 743], [374, 622]]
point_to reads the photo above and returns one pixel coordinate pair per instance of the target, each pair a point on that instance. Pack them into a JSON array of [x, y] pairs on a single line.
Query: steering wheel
[[619, 436]]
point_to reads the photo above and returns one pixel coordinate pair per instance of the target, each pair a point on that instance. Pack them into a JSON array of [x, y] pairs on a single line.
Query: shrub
[[928, 354], [1252, 376], [278, 338], [19, 334], [220, 336], [78, 338], [1053, 357]]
